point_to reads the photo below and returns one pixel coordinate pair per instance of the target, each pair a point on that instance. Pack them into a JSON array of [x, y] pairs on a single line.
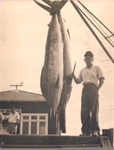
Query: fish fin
[[41, 79], [57, 82], [48, 2], [61, 4], [43, 6], [42, 71], [74, 68], [68, 33]]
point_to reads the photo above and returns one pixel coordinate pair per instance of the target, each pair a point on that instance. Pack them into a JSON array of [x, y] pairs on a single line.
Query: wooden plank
[[52, 141], [49, 146], [105, 141]]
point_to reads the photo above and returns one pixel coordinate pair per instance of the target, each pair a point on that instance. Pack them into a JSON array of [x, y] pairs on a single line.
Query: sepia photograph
[[56, 73]]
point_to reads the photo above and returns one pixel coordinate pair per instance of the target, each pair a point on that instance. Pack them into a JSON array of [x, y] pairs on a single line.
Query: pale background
[[23, 32]]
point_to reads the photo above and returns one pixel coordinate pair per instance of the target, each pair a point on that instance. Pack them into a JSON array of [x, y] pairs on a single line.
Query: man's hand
[[75, 79], [101, 82]]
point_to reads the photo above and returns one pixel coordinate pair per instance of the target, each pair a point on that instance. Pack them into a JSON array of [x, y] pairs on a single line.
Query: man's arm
[[76, 79], [18, 118], [101, 82]]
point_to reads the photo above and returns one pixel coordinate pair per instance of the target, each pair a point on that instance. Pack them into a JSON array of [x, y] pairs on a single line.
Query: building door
[[34, 124]]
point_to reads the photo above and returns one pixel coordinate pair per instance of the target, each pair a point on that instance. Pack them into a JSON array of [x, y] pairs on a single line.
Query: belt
[[89, 84]]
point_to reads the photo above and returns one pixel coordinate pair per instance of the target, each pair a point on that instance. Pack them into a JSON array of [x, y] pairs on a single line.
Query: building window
[[36, 124]]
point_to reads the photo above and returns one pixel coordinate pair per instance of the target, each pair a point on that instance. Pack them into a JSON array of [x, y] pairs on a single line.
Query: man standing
[[93, 79], [13, 120]]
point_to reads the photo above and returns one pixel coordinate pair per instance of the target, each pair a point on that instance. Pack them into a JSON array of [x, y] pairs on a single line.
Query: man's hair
[[89, 53]]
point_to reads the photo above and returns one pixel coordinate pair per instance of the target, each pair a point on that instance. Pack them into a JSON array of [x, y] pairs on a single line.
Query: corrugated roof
[[20, 96]]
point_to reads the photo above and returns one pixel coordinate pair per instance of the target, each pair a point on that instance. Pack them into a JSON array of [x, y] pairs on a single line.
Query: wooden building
[[33, 110]]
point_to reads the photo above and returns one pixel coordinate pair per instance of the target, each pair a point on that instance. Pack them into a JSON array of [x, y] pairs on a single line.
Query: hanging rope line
[[109, 40], [93, 32], [96, 17], [100, 28], [110, 36]]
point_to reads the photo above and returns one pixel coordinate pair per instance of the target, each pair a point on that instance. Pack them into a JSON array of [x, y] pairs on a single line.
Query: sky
[[23, 33]]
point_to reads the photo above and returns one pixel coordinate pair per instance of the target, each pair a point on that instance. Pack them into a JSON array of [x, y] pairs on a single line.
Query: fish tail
[[54, 7], [43, 6]]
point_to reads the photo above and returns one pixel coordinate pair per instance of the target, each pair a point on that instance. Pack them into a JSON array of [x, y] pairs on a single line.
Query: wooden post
[[110, 134]]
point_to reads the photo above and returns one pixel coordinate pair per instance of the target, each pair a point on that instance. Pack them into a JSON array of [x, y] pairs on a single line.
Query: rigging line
[[109, 36], [97, 24], [77, 9], [111, 42], [94, 17]]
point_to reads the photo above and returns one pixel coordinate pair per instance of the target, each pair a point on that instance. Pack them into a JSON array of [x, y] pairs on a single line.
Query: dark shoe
[[95, 133]]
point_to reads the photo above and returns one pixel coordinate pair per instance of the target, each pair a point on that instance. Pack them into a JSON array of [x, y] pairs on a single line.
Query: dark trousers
[[90, 109]]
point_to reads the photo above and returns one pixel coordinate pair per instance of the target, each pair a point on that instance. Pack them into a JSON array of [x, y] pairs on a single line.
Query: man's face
[[88, 60]]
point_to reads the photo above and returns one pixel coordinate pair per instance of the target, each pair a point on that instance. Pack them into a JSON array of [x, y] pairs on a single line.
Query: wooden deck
[[52, 141]]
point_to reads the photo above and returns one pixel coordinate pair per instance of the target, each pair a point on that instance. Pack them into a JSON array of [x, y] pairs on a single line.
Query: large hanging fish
[[52, 72], [67, 70]]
